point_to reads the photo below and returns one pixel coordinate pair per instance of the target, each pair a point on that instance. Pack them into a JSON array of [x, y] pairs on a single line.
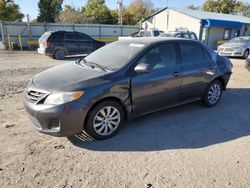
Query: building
[[210, 27]]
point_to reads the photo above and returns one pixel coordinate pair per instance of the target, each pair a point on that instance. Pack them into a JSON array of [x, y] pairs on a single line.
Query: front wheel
[[105, 120], [213, 94], [246, 54]]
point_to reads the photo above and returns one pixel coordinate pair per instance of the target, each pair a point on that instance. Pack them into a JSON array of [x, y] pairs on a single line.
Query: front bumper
[[235, 53], [61, 120]]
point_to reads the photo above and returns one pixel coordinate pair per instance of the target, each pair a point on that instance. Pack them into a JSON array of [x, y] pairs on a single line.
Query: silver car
[[236, 47]]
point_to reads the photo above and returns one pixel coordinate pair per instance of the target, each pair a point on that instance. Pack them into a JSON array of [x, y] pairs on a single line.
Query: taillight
[[47, 44]]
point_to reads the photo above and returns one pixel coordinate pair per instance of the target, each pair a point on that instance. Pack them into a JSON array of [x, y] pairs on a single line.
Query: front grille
[[228, 49], [35, 96]]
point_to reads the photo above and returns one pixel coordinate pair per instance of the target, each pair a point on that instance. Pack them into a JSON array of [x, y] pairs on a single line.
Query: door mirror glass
[[142, 68]]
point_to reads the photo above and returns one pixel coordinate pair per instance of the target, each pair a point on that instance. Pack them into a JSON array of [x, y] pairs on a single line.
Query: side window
[[185, 36], [193, 36], [83, 37], [161, 56], [178, 35], [71, 37], [191, 52]]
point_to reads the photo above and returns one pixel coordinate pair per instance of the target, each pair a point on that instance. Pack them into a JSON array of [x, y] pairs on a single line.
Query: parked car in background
[[122, 80], [144, 33], [248, 63], [58, 44], [180, 34], [236, 47]]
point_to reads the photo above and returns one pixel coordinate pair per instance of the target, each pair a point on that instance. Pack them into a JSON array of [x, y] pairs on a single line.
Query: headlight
[[61, 98]]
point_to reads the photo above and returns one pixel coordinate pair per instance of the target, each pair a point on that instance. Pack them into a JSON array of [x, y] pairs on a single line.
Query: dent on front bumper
[[61, 120]]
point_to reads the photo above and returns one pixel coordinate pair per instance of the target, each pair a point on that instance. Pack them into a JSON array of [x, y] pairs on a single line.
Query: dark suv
[[58, 44]]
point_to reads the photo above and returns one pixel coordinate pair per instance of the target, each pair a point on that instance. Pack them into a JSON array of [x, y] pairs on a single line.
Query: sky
[[30, 6]]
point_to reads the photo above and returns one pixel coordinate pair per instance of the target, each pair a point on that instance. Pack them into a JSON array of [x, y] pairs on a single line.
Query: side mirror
[[142, 68]]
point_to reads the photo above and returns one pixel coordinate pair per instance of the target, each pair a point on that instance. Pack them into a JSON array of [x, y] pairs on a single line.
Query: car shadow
[[184, 127]]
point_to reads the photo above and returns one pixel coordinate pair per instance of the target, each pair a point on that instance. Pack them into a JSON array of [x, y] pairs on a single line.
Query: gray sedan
[[123, 80], [236, 47]]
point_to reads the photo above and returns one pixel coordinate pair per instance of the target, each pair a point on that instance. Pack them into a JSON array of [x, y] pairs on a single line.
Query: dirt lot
[[188, 146]]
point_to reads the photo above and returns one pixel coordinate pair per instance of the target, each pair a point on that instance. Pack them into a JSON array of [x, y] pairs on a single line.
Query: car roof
[[151, 40]]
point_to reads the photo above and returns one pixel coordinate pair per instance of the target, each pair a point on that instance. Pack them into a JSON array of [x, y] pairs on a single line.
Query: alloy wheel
[[214, 93], [106, 120]]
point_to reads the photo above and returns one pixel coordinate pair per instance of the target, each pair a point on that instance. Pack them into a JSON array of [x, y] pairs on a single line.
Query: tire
[[213, 94], [100, 122], [246, 54], [59, 54]]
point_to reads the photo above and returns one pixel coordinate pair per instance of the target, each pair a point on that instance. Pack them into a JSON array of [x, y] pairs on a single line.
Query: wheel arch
[[58, 48], [116, 99], [222, 81]]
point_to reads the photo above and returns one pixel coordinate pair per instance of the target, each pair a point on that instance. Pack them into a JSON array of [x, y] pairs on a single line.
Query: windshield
[[115, 55], [239, 40]]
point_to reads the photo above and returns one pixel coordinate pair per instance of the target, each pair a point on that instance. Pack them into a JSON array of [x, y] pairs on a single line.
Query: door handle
[[176, 74]]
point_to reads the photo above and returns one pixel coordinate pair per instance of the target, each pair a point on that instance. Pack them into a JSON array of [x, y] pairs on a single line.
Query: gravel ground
[[187, 146]]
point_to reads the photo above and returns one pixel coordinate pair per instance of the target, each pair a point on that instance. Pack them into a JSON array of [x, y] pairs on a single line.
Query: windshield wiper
[[96, 65], [91, 64]]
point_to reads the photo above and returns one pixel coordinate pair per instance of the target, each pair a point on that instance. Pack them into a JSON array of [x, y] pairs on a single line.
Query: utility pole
[[120, 8]]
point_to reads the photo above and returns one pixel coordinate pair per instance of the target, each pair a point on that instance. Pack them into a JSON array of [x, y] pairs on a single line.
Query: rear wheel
[[59, 54], [246, 54], [213, 94], [105, 120]]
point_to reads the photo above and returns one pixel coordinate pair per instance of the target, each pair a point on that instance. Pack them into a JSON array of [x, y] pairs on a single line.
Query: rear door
[[72, 43], [198, 69], [87, 44], [161, 86]]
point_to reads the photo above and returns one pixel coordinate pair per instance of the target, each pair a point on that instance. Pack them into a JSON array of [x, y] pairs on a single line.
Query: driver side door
[[161, 86]]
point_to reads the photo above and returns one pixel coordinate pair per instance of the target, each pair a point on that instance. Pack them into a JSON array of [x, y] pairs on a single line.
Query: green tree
[[98, 11], [221, 6], [243, 9], [138, 10], [9, 11], [49, 10], [71, 15], [193, 7]]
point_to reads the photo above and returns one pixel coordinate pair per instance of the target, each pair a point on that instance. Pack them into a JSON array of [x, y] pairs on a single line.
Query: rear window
[[193, 36], [45, 36], [191, 52]]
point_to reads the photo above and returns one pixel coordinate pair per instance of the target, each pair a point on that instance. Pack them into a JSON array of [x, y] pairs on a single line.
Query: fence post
[[100, 31], [45, 27], [20, 42], [2, 33], [121, 30]]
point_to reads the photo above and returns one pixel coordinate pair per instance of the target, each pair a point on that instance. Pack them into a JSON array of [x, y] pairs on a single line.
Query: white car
[[236, 47], [144, 33]]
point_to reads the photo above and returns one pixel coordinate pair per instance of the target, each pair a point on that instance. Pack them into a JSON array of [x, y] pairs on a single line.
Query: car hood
[[69, 77], [233, 45]]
